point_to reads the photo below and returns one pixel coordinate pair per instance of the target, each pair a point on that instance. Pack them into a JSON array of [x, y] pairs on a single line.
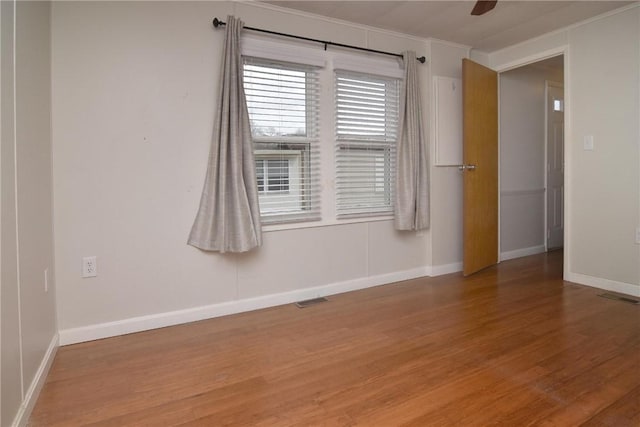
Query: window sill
[[324, 223]]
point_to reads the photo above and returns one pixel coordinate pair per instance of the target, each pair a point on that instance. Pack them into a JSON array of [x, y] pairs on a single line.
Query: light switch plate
[[588, 142]]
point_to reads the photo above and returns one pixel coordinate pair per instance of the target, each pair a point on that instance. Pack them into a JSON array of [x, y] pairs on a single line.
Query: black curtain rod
[[217, 23]]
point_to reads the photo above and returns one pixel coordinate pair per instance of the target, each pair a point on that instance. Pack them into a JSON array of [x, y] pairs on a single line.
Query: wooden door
[[480, 155]]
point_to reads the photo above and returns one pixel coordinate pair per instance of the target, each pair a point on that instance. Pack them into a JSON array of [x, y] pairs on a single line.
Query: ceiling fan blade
[[483, 7]]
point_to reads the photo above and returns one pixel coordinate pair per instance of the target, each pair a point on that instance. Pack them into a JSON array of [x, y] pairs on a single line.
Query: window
[[558, 105], [282, 103], [366, 130], [287, 109]]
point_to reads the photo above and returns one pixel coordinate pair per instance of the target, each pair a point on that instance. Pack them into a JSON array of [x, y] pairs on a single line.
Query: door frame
[[547, 84], [520, 62]]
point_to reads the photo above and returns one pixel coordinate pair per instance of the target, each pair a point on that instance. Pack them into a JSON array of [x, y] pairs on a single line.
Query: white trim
[[564, 50], [266, 228], [606, 284], [568, 161], [545, 162], [638, 76], [439, 270], [512, 193], [530, 59], [31, 396], [452, 44], [160, 320], [518, 253], [499, 102]]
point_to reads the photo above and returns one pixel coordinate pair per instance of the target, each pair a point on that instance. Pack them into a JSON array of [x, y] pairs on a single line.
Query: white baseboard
[[30, 398], [160, 320], [439, 270], [518, 253], [606, 284]]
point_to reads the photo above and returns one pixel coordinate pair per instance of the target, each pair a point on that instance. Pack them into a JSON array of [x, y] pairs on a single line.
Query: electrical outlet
[[89, 266], [46, 280]]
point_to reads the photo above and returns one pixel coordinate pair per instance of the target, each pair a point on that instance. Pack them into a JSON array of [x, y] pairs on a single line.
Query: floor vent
[[309, 302], [620, 298]]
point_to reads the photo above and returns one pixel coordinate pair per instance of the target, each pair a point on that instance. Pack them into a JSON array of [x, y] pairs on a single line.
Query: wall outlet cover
[[89, 266]]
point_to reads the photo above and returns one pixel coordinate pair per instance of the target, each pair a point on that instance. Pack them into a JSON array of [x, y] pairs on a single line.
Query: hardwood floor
[[512, 345]]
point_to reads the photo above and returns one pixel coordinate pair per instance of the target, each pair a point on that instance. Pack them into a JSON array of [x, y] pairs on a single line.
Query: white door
[[555, 165]]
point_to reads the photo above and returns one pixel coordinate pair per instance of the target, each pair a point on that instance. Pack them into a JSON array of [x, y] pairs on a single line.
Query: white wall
[[29, 330], [10, 373], [446, 182], [134, 89], [602, 186], [605, 196], [522, 163], [134, 86]]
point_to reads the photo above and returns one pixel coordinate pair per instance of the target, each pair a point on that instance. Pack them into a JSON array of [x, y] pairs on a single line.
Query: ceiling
[[509, 23]]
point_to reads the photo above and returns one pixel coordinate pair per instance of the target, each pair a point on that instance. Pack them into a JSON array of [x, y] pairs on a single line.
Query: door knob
[[468, 167]]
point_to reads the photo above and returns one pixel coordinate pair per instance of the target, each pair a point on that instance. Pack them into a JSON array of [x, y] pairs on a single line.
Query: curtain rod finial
[[217, 22], [422, 59]]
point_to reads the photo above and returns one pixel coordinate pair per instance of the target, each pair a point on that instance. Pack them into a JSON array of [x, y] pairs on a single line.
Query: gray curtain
[[228, 219], [412, 167]]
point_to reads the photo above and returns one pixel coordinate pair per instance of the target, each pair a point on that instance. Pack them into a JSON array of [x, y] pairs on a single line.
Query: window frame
[[284, 146]]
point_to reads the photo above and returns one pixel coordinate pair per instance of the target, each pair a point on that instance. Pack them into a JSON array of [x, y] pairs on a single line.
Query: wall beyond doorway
[[522, 156]]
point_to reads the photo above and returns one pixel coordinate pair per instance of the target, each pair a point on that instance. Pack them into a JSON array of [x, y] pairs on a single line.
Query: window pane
[[278, 174], [276, 100], [557, 105], [282, 102], [286, 173], [366, 132]]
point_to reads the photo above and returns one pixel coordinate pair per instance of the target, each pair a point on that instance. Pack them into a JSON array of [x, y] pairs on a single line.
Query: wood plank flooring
[[513, 345]]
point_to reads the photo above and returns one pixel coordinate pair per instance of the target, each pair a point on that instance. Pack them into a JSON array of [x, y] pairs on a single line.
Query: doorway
[[531, 162]]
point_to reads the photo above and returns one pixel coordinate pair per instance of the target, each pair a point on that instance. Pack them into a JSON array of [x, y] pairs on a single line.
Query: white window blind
[[366, 130], [282, 100]]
